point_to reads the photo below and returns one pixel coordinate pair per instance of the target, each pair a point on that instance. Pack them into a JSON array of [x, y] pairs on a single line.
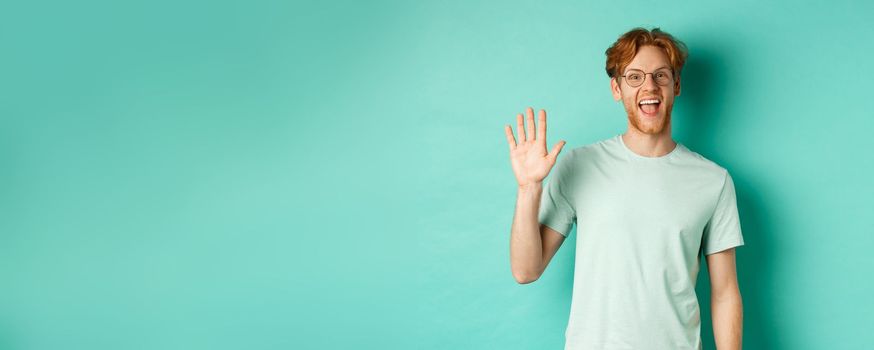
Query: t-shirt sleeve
[[556, 206], [723, 230]]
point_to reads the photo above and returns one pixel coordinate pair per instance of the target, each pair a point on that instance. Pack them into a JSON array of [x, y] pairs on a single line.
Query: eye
[[634, 77]]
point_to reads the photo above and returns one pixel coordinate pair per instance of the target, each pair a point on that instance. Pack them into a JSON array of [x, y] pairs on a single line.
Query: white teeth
[[646, 102]]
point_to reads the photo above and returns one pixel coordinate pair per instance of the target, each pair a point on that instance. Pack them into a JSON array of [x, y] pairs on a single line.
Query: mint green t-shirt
[[643, 224]]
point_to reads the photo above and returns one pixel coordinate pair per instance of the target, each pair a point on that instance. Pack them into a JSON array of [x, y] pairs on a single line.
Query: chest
[[638, 201]]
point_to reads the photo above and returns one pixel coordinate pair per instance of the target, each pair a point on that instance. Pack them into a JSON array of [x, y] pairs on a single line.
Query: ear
[[614, 88], [677, 86]]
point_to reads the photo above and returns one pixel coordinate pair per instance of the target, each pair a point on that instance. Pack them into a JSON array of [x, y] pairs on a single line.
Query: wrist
[[531, 187]]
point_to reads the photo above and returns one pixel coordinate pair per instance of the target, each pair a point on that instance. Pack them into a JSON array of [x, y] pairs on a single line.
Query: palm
[[530, 160]]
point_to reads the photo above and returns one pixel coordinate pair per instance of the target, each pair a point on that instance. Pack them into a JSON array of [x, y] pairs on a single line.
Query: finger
[[510, 139], [541, 130], [520, 129], [556, 149], [531, 130]]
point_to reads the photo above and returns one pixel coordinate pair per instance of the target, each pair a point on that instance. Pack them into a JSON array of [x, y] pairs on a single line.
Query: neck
[[649, 145]]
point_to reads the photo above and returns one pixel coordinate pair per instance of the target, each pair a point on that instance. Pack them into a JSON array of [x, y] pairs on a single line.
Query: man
[[646, 209]]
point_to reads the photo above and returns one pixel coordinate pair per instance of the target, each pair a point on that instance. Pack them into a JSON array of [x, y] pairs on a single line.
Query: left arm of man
[[725, 300]]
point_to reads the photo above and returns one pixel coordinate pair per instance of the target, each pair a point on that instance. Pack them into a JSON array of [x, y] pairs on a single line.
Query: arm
[[531, 244], [725, 300]]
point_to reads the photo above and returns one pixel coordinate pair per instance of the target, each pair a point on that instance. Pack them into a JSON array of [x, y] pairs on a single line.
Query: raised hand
[[531, 163]]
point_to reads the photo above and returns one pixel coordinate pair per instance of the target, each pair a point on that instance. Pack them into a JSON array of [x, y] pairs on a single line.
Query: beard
[[647, 125]]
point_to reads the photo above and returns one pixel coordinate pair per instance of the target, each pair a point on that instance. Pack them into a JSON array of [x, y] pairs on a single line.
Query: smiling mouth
[[649, 107]]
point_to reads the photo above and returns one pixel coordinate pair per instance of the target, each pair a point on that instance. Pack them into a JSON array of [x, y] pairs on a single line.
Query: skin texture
[[647, 136], [532, 245], [726, 304]]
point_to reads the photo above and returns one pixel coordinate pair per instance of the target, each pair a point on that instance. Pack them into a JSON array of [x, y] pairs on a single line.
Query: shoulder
[[704, 166], [590, 152]]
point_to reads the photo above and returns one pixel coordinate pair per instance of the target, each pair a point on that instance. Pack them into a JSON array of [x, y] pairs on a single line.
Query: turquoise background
[[334, 175]]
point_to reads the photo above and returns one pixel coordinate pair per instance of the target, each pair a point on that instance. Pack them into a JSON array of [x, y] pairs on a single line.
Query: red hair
[[622, 52]]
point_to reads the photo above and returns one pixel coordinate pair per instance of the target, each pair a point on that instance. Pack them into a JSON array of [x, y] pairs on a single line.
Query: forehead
[[648, 58]]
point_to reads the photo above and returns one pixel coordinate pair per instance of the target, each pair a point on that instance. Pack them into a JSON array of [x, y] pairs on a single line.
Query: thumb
[[556, 149]]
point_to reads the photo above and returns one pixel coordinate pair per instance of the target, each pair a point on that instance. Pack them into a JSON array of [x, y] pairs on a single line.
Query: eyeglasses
[[635, 77]]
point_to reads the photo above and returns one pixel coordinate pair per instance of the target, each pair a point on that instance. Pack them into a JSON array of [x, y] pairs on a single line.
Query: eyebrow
[[626, 69]]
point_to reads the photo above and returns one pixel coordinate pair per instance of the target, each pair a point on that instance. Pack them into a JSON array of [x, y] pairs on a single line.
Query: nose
[[649, 82]]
